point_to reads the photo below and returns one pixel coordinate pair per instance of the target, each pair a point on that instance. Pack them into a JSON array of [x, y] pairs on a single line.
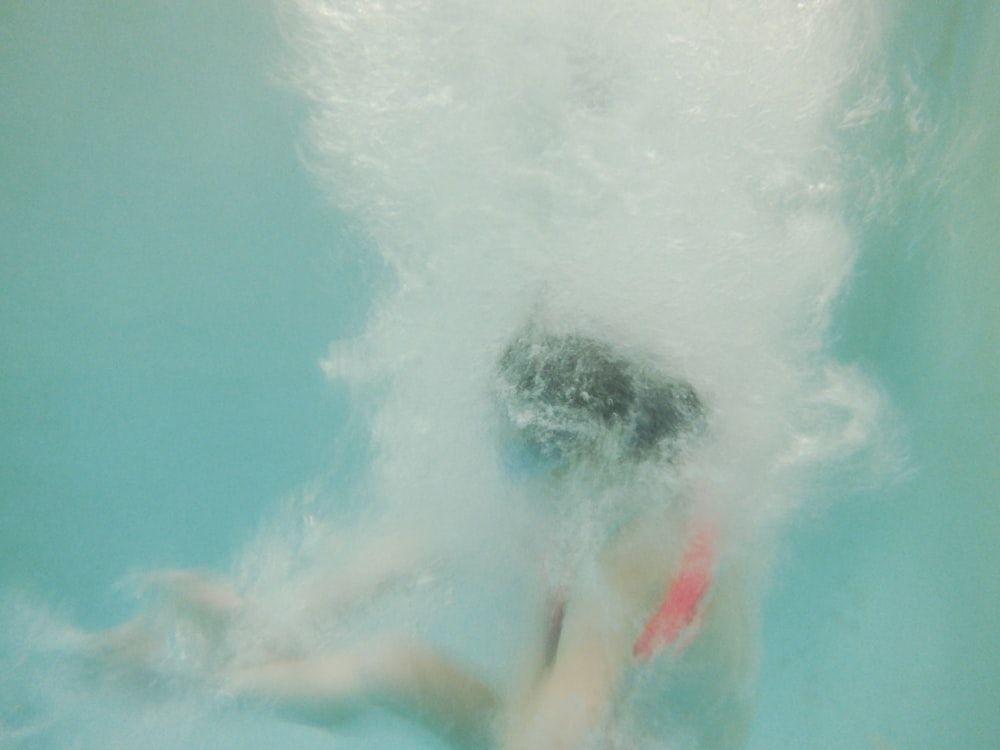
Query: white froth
[[662, 175]]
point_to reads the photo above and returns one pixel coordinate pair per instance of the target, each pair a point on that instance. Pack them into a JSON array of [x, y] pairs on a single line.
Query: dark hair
[[565, 394]]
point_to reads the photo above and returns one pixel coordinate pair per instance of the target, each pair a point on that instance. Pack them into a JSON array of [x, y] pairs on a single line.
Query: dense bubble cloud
[[663, 183], [665, 176]]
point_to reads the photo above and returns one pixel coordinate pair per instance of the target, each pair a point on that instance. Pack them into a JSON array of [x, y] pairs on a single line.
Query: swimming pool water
[[172, 275]]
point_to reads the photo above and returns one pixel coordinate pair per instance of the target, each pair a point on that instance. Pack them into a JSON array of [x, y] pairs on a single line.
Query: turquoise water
[[172, 276]]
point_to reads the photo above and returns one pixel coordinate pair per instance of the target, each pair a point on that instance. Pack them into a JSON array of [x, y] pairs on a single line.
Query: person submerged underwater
[[570, 406]]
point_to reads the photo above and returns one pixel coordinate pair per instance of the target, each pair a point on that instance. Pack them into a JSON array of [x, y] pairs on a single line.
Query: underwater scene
[[561, 374]]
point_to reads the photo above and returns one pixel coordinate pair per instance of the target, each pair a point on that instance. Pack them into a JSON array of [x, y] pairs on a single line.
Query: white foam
[[664, 175]]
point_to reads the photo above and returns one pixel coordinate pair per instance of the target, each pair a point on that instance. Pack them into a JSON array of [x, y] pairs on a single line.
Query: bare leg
[[409, 680]]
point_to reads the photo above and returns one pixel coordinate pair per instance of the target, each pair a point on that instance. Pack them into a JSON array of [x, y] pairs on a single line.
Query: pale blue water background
[[170, 280], [171, 277]]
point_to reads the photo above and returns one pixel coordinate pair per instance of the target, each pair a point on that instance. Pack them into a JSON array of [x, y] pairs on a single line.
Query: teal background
[[880, 631], [170, 277]]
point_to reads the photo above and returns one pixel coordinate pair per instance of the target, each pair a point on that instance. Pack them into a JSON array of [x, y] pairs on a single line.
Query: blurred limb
[[190, 615], [126, 654], [652, 572], [383, 563], [571, 698], [173, 637], [208, 601], [399, 675]]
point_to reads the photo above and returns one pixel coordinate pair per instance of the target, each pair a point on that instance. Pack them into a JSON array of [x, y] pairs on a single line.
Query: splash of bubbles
[[663, 176]]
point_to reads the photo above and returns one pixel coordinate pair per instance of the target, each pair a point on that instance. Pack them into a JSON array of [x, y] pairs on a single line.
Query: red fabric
[[680, 607]]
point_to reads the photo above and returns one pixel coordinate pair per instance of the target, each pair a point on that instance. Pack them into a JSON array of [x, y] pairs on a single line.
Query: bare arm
[[574, 697], [396, 674], [571, 698]]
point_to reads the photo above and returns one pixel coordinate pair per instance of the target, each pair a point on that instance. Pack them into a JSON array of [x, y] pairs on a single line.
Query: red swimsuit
[[680, 608]]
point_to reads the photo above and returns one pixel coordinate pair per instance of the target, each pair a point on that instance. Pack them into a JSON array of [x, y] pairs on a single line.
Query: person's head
[[567, 398]]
